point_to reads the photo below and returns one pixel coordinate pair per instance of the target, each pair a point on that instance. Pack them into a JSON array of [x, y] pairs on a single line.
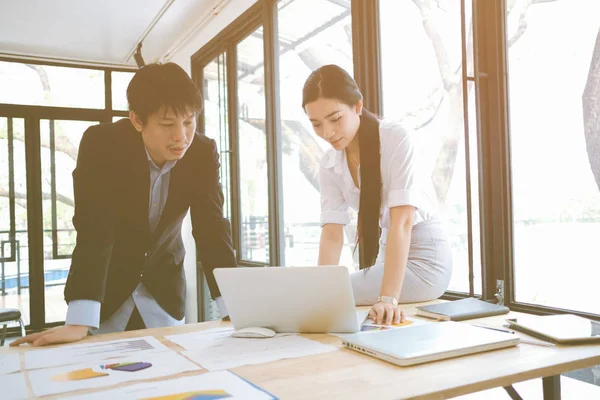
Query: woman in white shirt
[[404, 255]]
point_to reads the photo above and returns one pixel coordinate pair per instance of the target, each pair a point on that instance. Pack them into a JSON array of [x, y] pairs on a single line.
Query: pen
[[494, 329]]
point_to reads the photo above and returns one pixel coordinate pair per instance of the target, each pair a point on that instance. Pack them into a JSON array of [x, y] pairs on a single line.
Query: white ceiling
[[100, 32]]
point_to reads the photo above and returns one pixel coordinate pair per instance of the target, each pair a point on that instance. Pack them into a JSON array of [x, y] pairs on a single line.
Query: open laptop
[[430, 342], [290, 299]]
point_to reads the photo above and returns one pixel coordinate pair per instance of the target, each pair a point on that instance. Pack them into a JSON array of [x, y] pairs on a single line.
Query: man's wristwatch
[[387, 299]]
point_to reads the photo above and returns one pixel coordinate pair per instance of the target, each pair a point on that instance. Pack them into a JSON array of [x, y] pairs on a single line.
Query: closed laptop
[[430, 342]]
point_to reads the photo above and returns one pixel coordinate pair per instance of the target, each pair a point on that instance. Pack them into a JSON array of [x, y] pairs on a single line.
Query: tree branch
[[450, 76], [45, 196], [421, 116], [419, 3], [348, 31], [522, 26], [42, 75], [62, 144]]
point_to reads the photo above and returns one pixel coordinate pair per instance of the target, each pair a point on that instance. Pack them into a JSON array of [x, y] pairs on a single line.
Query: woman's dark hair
[[332, 82], [156, 85]]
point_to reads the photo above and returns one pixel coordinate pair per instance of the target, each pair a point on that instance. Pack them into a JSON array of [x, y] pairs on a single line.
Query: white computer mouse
[[254, 333]]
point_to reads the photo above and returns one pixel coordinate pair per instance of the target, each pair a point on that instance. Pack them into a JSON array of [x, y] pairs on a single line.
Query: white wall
[[217, 23], [189, 265]]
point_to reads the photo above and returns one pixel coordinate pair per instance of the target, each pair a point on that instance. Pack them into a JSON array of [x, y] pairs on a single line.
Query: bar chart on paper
[[87, 352], [95, 374]]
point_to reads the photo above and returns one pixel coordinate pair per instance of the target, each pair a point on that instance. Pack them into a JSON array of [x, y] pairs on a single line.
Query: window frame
[[32, 116], [491, 104]]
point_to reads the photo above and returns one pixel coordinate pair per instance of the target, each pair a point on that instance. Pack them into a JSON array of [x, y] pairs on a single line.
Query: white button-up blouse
[[404, 181]]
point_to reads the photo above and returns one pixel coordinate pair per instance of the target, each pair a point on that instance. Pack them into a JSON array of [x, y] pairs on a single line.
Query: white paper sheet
[[100, 374], [13, 387], [201, 339], [220, 384], [215, 349], [88, 352], [9, 363]]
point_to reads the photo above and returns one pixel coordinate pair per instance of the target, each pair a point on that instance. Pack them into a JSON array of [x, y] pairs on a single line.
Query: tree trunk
[[591, 112]]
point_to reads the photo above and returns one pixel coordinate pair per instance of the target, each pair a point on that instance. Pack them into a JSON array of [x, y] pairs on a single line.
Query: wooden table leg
[[551, 385], [512, 393]]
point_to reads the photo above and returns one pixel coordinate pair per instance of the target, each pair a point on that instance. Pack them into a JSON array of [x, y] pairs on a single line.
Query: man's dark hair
[[156, 85]]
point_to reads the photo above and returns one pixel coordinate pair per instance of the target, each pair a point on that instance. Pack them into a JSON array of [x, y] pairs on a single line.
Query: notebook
[[429, 342], [459, 310], [561, 329]]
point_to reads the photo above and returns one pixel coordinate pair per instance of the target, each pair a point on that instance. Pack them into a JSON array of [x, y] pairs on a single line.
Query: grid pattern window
[[252, 145], [44, 111], [45, 85], [59, 146], [216, 127], [422, 82], [307, 40], [215, 121], [14, 248]]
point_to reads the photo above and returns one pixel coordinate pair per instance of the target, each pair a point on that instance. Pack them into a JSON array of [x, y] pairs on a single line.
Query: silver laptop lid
[[429, 342], [289, 299]]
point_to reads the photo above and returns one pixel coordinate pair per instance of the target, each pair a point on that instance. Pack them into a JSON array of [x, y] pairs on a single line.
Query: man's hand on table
[[58, 335]]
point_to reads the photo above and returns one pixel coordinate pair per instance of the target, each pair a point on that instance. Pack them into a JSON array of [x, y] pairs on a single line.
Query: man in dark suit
[[134, 182]]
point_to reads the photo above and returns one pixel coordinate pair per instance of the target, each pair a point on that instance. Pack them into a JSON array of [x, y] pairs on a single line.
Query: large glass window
[[307, 40], [44, 85], [254, 190], [59, 142], [422, 83], [120, 81], [216, 127], [14, 248], [215, 120], [554, 92], [36, 87]]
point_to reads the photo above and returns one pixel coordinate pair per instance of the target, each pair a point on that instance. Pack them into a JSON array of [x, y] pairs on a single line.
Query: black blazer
[[115, 250]]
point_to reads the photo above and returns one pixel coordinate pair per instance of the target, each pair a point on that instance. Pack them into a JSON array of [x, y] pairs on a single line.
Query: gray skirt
[[428, 270]]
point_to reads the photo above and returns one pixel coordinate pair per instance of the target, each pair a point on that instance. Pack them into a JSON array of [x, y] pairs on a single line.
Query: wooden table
[[346, 374]]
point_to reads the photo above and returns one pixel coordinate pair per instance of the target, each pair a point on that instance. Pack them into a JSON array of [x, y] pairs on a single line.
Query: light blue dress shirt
[[87, 312]]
